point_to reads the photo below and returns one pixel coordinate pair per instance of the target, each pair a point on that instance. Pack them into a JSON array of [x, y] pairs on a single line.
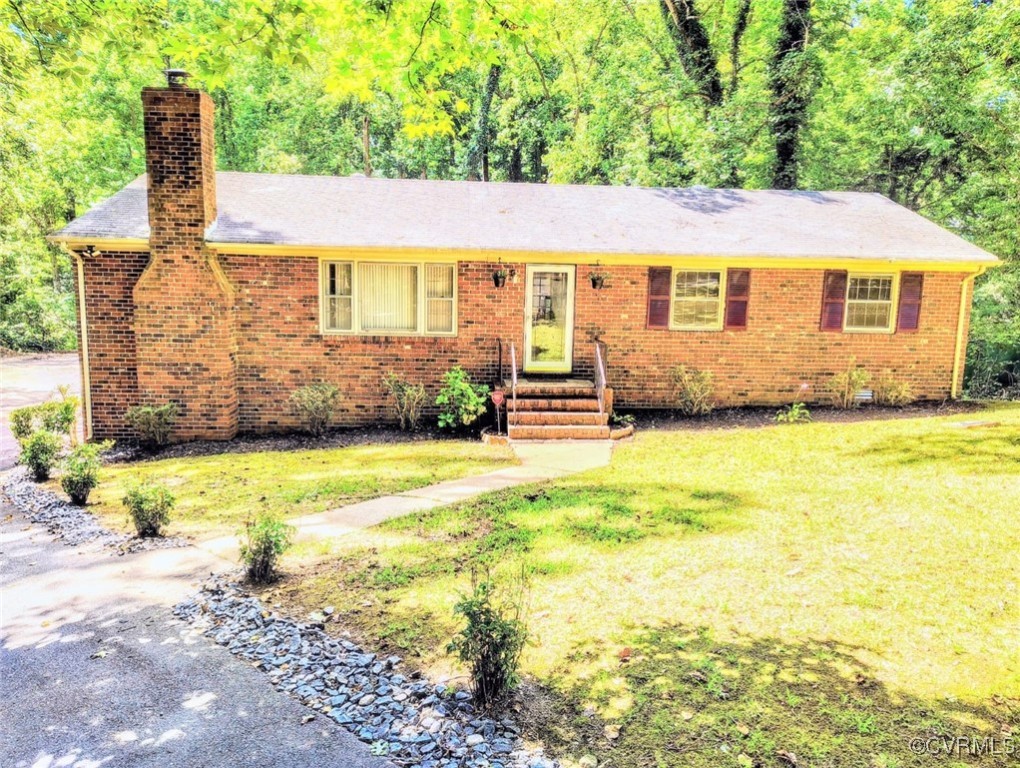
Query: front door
[[549, 322]]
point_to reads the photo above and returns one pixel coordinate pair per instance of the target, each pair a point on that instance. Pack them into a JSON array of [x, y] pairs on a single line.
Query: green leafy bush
[[81, 471], [316, 405], [845, 385], [409, 400], [993, 349], [149, 506], [795, 413], [889, 391], [265, 540], [39, 453], [153, 423], [460, 402], [692, 390], [491, 641], [56, 416]]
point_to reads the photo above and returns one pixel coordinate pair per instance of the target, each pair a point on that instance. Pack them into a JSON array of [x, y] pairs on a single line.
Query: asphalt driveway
[[29, 380], [95, 671]]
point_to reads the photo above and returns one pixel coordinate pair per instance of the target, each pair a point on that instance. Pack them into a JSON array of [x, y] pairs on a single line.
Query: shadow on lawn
[[992, 449], [681, 698]]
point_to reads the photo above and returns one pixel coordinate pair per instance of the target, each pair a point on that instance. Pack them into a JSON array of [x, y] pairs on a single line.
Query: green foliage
[[58, 417], [460, 402], [264, 540], [845, 385], [993, 352], [889, 391], [316, 405], [795, 413], [153, 423], [81, 470], [409, 400], [622, 419], [149, 506], [692, 390], [39, 453], [492, 640]]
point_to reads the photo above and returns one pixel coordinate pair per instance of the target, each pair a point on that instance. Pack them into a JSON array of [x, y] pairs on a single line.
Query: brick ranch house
[[224, 292]]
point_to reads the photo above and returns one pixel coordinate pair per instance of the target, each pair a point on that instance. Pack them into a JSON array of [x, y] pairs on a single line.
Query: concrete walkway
[[539, 462]]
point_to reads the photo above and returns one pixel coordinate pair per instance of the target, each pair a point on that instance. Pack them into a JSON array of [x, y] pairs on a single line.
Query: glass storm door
[[549, 322]]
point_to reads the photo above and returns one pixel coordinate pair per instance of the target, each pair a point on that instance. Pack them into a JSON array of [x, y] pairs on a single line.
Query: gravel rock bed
[[70, 524], [409, 720]]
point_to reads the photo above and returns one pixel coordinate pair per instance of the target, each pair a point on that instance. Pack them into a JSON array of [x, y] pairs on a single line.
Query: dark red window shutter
[[833, 300], [659, 286], [909, 315], [738, 294]]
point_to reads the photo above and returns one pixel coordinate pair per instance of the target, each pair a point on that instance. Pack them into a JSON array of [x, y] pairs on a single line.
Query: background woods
[[916, 100]]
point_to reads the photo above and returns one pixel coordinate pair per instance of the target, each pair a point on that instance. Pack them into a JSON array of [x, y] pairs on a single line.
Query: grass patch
[[216, 494], [803, 558]]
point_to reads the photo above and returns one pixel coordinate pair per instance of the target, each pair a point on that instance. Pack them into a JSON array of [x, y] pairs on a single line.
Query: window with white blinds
[[384, 298]]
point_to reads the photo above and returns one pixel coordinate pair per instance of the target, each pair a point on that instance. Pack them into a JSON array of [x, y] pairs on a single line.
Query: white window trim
[[894, 302], [721, 313], [355, 298]]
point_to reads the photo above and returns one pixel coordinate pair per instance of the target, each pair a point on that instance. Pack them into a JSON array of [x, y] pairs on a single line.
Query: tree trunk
[[693, 48], [790, 82], [366, 146], [476, 161]]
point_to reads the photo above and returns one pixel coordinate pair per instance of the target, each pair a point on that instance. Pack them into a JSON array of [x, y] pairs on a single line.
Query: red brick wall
[[781, 348], [109, 311], [184, 310], [279, 347]]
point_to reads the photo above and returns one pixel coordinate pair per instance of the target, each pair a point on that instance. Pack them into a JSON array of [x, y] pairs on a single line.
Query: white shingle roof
[[476, 216]]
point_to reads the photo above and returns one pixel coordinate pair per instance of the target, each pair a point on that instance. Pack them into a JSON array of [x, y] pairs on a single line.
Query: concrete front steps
[[561, 409]]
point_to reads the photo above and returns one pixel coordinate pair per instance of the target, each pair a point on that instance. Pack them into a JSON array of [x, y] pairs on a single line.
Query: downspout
[[954, 390], [86, 377]]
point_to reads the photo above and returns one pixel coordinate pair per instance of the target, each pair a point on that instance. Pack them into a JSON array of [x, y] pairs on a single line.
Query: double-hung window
[[383, 298], [869, 303], [697, 300]]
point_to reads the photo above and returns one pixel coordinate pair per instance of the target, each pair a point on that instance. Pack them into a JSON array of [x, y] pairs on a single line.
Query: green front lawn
[[217, 494], [723, 597]]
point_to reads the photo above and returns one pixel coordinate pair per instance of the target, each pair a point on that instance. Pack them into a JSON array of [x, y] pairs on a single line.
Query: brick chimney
[[184, 305]]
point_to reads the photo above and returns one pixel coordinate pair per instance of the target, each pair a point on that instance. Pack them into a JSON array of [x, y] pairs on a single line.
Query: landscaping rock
[[70, 524], [416, 722]]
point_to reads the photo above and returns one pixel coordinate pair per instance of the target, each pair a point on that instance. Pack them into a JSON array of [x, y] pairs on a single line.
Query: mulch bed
[[732, 418]]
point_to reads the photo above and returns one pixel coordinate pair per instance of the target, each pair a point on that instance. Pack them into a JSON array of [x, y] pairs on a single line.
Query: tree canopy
[[916, 99]]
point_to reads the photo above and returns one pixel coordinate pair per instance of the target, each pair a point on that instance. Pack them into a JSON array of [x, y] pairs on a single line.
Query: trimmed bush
[[58, 417], [149, 506], [265, 540], [409, 400], [692, 390], [891, 392], [491, 642], [316, 405], [81, 471], [153, 423], [845, 385], [39, 453], [460, 402]]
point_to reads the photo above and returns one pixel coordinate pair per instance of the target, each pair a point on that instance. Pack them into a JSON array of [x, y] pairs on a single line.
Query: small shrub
[[153, 423], [21, 422], [59, 417], [409, 399], [692, 390], [81, 471], [845, 385], [265, 540], [149, 506], [795, 413], [492, 640], [316, 405], [622, 419], [460, 401], [39, 453], [889, 391]]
